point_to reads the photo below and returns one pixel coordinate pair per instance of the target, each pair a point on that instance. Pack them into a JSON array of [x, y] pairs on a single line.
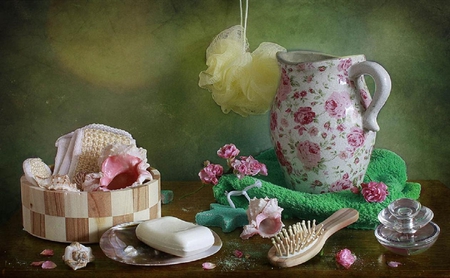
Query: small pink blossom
[[47, 252], [304, 115], [228, 151], [345, 258], [248, 166], [211, 173], [208, 265], [356, 137], [285, 86], [374, 191], [309, 154], [341, 185], [344, 65], [336, 105]]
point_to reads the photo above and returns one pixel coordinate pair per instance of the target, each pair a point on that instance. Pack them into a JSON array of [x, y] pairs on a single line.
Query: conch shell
[[122, 166], [264, 217], [77, 255]]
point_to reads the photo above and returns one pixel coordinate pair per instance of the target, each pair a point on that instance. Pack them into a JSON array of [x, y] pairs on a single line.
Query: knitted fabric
[[385, 166]]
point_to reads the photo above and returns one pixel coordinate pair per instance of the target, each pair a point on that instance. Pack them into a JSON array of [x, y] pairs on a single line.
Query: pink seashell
[[264, 217], [48, 265], [121, 171], [208, 265], [47, 252]]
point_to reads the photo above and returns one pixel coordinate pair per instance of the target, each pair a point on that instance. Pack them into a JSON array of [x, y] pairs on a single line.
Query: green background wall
[[134, 65]]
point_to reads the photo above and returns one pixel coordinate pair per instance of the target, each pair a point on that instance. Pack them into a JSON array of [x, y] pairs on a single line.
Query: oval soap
[[175, 236]]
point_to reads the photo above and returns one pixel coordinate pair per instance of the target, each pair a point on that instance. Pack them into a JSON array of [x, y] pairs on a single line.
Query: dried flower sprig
[[241, 167]]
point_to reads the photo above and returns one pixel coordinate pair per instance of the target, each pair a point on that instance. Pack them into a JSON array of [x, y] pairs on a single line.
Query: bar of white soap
[[175, 236]]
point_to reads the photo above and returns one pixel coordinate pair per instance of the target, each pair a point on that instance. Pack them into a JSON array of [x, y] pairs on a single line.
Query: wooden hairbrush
[[302, 241]]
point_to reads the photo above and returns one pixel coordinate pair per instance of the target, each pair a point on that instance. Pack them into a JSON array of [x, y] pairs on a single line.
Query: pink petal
[[393, 264], [48, 265], [47, 252], [345, 258], [238, 253], [37, 263], [208, 265]]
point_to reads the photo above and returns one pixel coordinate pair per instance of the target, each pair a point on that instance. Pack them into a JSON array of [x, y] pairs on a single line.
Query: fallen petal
[[47, 252], [393, 264], [208, 265], [48, 265], [37, 263], [238, 253]]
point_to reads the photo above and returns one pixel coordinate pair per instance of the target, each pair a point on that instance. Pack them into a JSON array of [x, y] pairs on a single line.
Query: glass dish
[[121, 244]]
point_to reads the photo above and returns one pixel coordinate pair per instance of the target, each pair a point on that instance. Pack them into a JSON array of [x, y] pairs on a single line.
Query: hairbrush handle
[[338, 220]]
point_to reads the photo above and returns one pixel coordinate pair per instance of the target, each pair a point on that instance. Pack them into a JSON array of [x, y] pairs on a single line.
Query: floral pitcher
[[323, 119]]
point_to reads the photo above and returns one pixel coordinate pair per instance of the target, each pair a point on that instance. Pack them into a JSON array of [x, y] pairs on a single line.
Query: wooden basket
[[65, 216]]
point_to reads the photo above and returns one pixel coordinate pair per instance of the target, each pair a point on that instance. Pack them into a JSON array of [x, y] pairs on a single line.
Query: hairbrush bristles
[[296, 238]]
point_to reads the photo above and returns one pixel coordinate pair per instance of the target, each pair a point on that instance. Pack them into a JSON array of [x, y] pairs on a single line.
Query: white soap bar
[[175, 236]]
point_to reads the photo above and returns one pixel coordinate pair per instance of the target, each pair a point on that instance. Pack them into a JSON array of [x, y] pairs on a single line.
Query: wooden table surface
[[18, 249]]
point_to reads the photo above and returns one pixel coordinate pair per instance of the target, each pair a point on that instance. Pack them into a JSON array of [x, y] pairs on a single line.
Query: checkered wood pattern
[[84, 216]]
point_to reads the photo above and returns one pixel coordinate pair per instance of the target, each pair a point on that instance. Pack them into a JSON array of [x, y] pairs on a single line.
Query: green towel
[[385, 166]]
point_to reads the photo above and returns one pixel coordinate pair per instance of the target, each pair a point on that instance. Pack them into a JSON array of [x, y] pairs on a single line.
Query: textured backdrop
[[134, 65]]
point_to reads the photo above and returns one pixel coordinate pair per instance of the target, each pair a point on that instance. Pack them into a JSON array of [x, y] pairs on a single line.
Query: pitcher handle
[[382, 90]]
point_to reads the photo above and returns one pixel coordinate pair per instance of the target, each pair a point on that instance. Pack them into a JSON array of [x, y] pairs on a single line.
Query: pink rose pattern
[[316, 126]]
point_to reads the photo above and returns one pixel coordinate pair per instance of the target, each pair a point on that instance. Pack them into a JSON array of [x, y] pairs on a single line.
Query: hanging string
[[244, 19]]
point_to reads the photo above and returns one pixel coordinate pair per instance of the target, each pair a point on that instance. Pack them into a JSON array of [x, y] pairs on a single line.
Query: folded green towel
[[385, 166]]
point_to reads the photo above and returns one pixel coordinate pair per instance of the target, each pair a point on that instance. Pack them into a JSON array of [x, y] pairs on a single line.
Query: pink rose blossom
[[228, 151], [304, 115], [356, 137], [285, 86], [345, 258], [211, 173], [340, 185], [374, 192], [309, 154], [282, 159], [344, 65], [365, 98], [336, 105], [313, 131], [248, 166]]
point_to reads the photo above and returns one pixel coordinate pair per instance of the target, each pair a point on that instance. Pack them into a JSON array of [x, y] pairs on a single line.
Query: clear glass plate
[[114, 243]]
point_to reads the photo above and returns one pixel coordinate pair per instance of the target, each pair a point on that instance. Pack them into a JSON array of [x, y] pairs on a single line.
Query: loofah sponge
[[385, 166]]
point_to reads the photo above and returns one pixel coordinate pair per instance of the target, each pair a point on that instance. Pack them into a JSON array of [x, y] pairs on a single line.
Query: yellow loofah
[[241, 81]]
